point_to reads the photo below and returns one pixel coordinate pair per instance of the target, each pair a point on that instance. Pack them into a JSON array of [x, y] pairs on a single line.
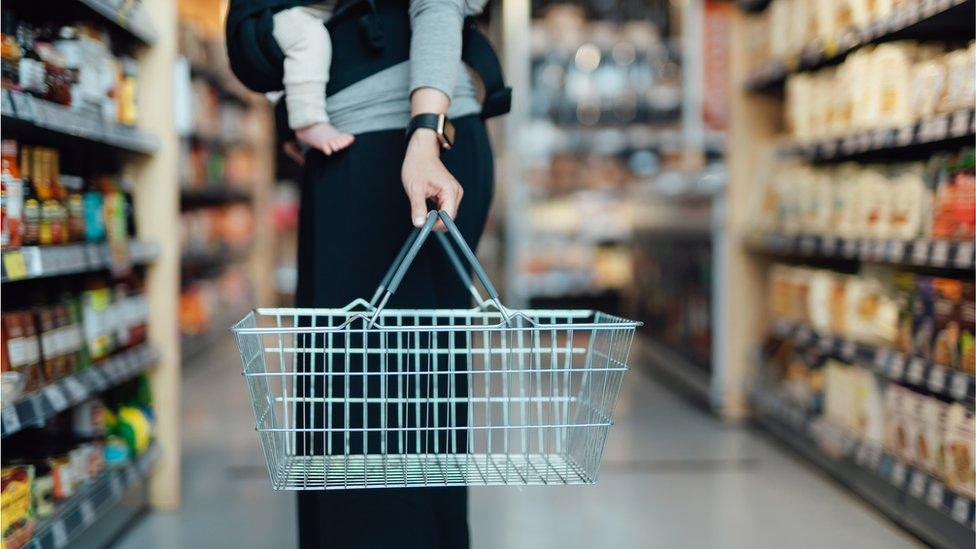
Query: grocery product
[[955, 198], [967, 327], [946, 305], [22, 347], [960, 439], [11, 196], [897, 201], [16, 505], [892, 84], [930, 415]]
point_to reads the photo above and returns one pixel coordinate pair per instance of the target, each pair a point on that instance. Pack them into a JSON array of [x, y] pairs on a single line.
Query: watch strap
[[433, 121]]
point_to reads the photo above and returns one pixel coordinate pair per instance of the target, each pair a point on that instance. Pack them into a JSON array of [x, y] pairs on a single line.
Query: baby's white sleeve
[[301, 34]]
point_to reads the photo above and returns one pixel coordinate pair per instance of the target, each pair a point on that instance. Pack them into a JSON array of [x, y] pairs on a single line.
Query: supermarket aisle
[[672, 477]]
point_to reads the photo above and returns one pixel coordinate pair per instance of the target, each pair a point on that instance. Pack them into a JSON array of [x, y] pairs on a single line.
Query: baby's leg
[[302, 36]]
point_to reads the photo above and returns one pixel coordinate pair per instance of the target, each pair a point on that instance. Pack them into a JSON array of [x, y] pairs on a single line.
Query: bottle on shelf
[[11, 195], [31, 231]]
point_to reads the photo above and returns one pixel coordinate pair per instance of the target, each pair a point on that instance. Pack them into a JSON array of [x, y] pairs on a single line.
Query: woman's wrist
[[424, 140]]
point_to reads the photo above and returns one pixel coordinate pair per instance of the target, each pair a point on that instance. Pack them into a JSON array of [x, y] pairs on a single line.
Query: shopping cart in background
[[367, 397]]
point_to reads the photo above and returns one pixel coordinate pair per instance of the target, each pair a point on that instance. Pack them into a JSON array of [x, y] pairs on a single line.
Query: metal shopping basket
[[364, 396]]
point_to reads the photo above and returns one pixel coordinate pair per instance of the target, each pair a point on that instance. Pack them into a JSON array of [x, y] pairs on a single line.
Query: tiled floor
[[672, 477]]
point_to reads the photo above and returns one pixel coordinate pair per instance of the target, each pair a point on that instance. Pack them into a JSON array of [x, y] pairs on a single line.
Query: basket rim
[[613, 322]]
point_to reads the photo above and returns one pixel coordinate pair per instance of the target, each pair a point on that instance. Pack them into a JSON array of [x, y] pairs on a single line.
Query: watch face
[[448, 133]]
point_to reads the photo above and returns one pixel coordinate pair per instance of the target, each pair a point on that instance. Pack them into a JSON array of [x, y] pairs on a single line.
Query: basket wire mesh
[[365, 397]]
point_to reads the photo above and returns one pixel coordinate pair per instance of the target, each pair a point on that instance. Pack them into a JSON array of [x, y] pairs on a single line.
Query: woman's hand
[[425, 177]]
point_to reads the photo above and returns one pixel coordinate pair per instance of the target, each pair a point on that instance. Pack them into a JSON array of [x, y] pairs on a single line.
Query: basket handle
[[394, 275]]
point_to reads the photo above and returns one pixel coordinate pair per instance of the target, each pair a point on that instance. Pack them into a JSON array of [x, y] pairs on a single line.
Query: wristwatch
[[433, 121]]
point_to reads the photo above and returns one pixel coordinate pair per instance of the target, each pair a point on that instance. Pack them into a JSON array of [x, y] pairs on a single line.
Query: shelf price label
[[55, 398], [960, 123], [936, 494], [75, 389], [11, 421], [960, 510], [960, 386], [115, 485], [937, 379], [898, 472], [916, 371], [940, 253], [964, 255], [59, 534], [14, 265], [916, 487], [920, 252], [896, 368], [896, 251], [87, 512]]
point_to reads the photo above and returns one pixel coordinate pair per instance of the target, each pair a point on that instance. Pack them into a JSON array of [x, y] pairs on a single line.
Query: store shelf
[[212, 196], [923, 19], [909, 496], [127, 16], [193, 345], [913, 371], [94, 507], [695, 379], [32, 262], [939, 131], [35, 408], [939, 254], [201, 265], [227, 91], [45, 116]]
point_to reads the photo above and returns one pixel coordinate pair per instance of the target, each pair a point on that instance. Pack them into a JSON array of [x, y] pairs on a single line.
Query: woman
[[357, 208]]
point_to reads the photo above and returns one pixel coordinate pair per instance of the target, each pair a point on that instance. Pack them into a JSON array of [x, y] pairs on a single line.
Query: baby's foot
[[325, 137]]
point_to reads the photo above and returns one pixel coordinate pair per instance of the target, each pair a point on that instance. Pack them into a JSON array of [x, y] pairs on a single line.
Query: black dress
[[354, 217]]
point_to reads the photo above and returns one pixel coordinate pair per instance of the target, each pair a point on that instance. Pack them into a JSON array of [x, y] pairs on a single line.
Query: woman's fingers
[[418, 203]]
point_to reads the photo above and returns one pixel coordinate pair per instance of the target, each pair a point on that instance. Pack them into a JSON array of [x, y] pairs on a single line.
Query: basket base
[[411, 470]]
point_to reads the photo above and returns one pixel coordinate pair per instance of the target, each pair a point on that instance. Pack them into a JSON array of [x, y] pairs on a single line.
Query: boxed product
[[893, 67], [868, 405], [931, 417], [960, 90], [960, 438], [819, 296], [955, 198], [928, 86], [840, 401], [910, 203], [16, 505], [899, 425], [904, 285], [871, 313]]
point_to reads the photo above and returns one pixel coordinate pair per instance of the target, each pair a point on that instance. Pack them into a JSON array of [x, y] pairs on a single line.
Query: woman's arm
[[435, 57], [424, 175]]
